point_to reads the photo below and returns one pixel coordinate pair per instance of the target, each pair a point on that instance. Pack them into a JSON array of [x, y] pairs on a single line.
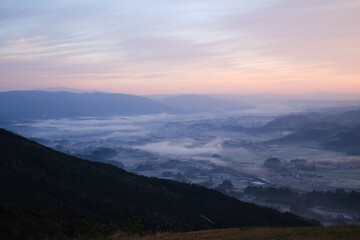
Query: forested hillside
[[48, 192]]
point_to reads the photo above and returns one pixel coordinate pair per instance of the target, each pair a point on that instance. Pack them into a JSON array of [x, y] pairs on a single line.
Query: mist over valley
[[223, 149]]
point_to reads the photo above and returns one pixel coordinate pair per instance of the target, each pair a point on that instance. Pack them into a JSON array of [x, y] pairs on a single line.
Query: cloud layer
[[183, 147], [161, 46]]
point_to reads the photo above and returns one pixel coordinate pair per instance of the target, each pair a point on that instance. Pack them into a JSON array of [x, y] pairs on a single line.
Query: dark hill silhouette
[[333, 131], [325, 121], [289, 122], [18, 105], [350, 116], [65, 191]]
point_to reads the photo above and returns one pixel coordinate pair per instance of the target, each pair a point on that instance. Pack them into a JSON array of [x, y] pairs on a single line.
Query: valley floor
[[257, 233]]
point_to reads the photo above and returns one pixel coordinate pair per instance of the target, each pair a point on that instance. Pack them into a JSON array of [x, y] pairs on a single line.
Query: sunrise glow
[[147, 47]]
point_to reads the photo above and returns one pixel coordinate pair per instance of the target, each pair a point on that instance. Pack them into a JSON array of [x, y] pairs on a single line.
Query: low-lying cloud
[[182, 148]]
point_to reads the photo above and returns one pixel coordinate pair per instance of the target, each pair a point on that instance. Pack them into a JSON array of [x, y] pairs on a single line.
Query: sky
[[181, 46]]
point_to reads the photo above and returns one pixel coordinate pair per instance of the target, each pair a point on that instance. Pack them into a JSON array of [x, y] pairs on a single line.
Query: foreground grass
[[253, 233]]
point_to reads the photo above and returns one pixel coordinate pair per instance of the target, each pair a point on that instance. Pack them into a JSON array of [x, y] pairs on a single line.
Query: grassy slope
[[262, 233]]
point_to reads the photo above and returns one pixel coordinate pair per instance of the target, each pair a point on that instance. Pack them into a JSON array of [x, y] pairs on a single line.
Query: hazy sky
[[181, 46]]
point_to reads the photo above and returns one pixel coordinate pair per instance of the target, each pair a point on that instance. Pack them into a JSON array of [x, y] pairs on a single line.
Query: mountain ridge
[[197, 102], [23, 105]]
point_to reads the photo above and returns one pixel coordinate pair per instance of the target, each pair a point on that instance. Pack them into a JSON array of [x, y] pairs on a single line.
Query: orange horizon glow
[[235, 47]]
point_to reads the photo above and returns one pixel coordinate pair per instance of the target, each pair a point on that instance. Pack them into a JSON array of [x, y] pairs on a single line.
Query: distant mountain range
[[198, 103], [56, 103], [22, 105], [45, 193]]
